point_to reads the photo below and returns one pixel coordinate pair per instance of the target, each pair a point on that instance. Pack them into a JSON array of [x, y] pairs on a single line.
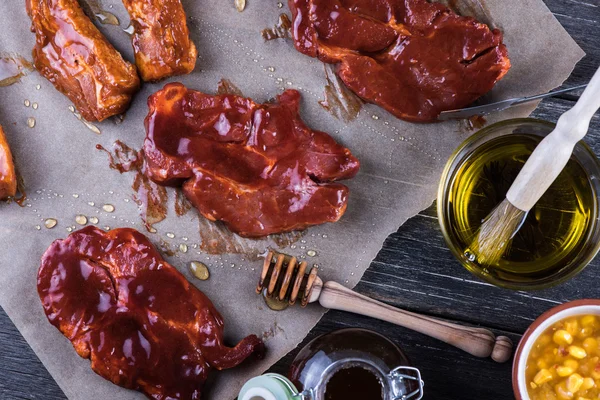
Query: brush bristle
[[496, 232]]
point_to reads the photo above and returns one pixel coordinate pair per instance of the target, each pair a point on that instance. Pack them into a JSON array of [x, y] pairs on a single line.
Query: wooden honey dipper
[[284, 278]]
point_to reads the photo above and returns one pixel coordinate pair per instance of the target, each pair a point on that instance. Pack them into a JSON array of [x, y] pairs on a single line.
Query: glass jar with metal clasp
[[349, 364]]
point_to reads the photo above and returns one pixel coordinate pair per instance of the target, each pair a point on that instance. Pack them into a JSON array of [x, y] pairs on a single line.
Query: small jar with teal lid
[[349, 364]]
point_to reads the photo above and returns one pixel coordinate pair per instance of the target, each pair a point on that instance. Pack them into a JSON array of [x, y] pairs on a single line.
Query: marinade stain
[[476, 122], [165, 248], [340, 101], [21, 194], [471, 124], [182, 204], [150, 197], [225, 86], [216, 238], [285, 239], [282, 30], [12, 68], [94, 10]]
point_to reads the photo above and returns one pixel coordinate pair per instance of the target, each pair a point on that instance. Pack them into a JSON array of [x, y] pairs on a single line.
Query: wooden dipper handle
[[476, 341]]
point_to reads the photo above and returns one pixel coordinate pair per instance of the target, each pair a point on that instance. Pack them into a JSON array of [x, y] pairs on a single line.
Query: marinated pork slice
[[161, 39], [256, 167], [411, 57], [139, 321], [8, 177], [78, 60]]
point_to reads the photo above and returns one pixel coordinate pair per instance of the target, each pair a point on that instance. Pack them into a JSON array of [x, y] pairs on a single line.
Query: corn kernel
[[572, 326], [541, 364], [577, 352], [571, 364], [542, 377], [590, 345], [574, 383], [543, 340], [585, 332], [588, 383], [562, 337], [588, 320], [562, 392], [583, 398], [563, 371]]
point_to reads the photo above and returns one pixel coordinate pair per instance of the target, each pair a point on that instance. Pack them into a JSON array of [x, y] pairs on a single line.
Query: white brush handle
[[552, 154]]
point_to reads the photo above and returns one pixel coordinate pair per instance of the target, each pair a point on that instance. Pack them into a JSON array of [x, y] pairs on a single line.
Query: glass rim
[[591, 166]]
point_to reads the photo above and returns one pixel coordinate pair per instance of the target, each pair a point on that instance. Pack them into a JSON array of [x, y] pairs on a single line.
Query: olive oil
[[554, 231]]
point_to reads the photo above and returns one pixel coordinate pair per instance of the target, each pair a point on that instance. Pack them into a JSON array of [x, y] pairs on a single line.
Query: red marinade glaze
[[138, 320], [411, 57], [256, 167]]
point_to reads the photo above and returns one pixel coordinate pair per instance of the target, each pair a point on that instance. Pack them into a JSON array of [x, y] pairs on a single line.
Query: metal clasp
[[398, 377]]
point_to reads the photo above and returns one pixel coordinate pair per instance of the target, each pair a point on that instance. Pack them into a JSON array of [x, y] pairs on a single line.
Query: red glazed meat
[[256, 167], [161, 39], [412, 57], [139, 321], [8, 176], [78, 60]]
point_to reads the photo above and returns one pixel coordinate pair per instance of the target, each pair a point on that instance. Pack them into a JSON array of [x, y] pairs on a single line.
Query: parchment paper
[[65, 175]]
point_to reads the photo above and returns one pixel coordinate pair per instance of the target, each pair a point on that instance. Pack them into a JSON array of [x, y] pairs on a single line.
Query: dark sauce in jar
[[354, 383]]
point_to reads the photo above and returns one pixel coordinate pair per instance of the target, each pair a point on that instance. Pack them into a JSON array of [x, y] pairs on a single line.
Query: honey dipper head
[[285, 279]]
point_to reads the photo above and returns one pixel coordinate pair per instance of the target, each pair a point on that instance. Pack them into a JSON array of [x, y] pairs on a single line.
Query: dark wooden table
[[414, 270]]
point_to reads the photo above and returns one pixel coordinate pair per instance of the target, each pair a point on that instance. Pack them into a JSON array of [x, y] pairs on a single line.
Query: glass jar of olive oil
[[560, 235]]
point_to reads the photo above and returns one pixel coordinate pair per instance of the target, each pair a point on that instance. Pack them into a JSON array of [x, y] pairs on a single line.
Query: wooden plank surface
[[414, 270]]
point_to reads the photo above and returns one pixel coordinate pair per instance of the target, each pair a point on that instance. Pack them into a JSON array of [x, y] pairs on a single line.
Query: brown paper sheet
[[66, 176]]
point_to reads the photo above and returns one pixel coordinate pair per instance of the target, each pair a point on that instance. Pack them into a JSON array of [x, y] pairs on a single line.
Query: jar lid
[[268, 387]]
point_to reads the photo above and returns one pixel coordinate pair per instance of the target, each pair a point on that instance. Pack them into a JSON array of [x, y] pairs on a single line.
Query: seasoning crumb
[[240, 5], [81, 219], [199, 270], [50, 223]]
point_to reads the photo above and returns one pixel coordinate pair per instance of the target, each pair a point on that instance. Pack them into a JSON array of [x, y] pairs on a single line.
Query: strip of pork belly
[[8, 176], [79, 61], [161, 39]]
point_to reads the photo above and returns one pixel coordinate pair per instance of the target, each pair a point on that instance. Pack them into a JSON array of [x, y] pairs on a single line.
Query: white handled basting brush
[[541, 169]]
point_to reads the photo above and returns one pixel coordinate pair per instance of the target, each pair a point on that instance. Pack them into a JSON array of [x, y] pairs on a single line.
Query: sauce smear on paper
[[13, 68]]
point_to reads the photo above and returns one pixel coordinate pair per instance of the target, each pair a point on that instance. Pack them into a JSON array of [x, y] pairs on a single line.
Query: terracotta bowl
[[544, 321]]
